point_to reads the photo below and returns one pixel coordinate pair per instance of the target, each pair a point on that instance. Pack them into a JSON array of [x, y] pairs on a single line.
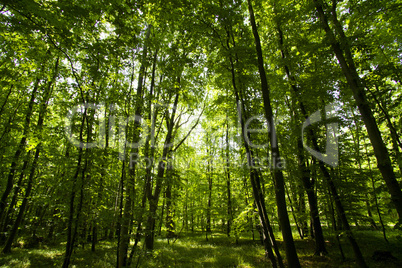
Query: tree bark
[[127, 213], [308, 183], [268, 238], [42, 114], [149, 151], [70, 235], [290, 249], [346, 62], [153, 198], [209, 177], [229, 200], [169, 204], [19, 151]]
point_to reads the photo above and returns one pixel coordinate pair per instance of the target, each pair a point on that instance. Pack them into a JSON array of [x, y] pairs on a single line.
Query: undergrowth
[[193, 250]]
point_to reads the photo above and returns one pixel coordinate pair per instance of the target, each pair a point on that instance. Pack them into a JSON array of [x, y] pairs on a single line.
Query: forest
[[209, 133]]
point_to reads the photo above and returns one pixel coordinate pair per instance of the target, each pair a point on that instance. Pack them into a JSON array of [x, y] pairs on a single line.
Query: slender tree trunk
[[369, 214], [335, 227], [72, 227], [346, 62], [318, 233], [19, 151], [268, 238], [95, 230], [127, 213], [341, 214], [302, 211], [161, 217], [4, 223], [6, 99], [13, 233], [293, 213], [42, 114], [305, 173], [396, 142], [375, 196], [290, 248], [70, 244], [209, 177], [120, 205], [154, 198], [192, 217], [229, 200], [169, 205], [149, 151]]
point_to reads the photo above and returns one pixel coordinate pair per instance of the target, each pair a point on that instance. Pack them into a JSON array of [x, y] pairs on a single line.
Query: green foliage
[[88, 52]]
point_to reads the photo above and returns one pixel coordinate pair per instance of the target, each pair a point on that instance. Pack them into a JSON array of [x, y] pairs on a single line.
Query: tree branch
[[192, 128]]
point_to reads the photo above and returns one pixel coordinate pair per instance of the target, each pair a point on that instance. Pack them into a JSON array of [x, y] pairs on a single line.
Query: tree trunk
[[229, 200], [4, 223], [42, 114], [70, 244], [294, 214], [13, 233], [290, 249], [149, 151], [154, 198], [375, 196], [209, 177], [19, 151], [396, 142], [268, 238], [305, 173], [6, 99], [346, 62], [169, 205], [128, 204]]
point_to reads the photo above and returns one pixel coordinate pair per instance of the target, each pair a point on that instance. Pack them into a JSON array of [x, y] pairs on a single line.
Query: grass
[[192, 250], [195, 251]]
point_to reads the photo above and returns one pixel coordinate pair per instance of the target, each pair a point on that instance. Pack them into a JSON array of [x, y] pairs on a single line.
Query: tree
[[291, 253], [343, 53]]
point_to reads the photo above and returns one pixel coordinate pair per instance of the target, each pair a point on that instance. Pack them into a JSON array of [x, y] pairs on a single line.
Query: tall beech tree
[[291, 253], [341, 47]]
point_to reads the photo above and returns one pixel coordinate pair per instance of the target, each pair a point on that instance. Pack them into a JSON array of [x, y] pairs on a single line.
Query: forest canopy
[[131, 126]]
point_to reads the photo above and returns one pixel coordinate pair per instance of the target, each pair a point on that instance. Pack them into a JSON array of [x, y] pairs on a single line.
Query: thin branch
[[72, 66], [5, 101], [192, 128], [45, 30]]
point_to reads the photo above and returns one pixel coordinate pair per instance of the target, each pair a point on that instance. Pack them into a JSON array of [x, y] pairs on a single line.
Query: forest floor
[[192, 250]]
